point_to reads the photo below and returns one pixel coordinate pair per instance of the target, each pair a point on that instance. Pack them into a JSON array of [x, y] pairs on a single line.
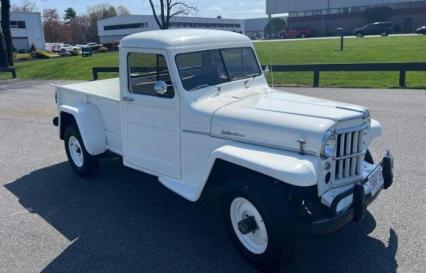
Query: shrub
[[103, 49], [22, 51], [40, 54], [23, 57], [33, 48]]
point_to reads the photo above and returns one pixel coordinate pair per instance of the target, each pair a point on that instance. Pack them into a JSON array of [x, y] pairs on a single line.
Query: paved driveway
[[125, 221]]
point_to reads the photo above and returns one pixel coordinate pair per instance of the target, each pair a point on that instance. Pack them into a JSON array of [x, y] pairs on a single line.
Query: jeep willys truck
[[193, 107]]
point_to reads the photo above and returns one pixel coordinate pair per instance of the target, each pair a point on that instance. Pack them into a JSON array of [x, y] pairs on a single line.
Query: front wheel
[[83, 163], [259, 222]]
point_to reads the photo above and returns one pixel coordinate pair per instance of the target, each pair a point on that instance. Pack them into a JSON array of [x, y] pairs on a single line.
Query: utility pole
[[327, 16], [4, 63]]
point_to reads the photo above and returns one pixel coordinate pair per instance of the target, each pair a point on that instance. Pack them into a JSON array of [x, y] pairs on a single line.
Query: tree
[[96, 13], [122, 10], [26, 6], [52, 25], [378, 14], [5, 25], [276, 26], [70, 14], [167, 9], [78, 28]]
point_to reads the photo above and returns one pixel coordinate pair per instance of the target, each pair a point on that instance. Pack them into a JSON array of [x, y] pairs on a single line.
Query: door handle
[[128, 99]]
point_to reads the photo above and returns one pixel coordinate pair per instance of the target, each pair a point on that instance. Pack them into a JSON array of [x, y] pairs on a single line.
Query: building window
[[126, 26], [17, 24]]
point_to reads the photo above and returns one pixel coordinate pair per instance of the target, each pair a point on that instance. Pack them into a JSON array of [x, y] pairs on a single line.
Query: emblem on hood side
[[234, 134]]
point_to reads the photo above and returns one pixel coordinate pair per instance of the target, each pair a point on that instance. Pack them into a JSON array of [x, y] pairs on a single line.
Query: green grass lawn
[[370, 50]]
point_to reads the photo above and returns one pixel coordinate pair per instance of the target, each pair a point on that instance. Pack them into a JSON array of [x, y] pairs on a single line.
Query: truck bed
[[105, 94], [109, 89]]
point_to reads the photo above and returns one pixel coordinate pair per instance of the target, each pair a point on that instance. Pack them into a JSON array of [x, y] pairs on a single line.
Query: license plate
[[376, 181]]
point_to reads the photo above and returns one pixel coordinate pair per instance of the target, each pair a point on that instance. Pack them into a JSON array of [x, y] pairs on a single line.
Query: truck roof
[[177, 38]]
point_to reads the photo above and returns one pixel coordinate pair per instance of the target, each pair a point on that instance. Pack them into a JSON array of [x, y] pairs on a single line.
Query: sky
[[238, 9]]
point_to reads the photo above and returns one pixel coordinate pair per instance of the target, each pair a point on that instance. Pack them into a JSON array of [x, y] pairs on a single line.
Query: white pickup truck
[[193, 108]]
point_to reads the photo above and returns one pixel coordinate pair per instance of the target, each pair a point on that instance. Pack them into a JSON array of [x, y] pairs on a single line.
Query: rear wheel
[[384, 34], [83, 163], [359, 35], [259, 221]]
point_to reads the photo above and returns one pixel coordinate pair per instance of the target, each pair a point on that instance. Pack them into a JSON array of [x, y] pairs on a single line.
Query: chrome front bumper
[[350, 202]]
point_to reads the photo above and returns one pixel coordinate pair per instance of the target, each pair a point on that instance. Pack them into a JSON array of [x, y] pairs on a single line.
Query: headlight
[[329, 145]]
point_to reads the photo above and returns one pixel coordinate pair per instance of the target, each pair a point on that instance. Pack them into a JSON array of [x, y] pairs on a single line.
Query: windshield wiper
[[240, 76], [199, 87], [250, 79]]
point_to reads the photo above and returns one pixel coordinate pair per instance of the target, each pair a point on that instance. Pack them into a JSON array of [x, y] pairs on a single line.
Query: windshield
[[212, 67]]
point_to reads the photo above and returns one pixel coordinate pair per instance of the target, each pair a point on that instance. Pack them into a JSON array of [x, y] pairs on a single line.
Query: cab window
[[144, 70]]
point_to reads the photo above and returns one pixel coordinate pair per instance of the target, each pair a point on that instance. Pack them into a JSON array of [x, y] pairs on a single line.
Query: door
[[150, 120]]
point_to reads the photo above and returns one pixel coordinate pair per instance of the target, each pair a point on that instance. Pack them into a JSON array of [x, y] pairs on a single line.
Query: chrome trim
[[294, 150], [324, 140], [349, 156], [195, 132], [352, 129]]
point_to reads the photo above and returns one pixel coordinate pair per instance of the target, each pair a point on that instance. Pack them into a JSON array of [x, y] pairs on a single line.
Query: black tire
[[278, 220], [385, 34], [359, 35], [90, 163]]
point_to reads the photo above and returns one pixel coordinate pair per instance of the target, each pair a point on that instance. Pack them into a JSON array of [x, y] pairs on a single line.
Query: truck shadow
[[125, 221]]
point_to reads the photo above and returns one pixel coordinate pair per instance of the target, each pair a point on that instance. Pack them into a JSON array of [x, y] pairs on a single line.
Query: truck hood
[[281, 119]]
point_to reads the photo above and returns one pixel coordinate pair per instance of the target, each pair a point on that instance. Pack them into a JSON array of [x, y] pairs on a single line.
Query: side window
[[145, 69]]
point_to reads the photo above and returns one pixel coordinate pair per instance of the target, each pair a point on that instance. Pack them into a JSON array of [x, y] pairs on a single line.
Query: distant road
[[330, 38]]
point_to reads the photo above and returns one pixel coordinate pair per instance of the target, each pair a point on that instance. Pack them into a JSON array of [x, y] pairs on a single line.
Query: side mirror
[[160, 88], [267, 70]]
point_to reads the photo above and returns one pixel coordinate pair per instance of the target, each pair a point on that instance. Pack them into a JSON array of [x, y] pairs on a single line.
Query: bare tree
[[164, 10], [26, 6], [96, 13], [52, 25], [122, 10], [5, 25]]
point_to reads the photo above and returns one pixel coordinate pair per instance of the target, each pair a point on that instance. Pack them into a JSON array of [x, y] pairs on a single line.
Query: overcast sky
[[207, 8]]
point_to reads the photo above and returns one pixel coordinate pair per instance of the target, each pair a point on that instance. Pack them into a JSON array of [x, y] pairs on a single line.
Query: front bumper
[[360, 195]]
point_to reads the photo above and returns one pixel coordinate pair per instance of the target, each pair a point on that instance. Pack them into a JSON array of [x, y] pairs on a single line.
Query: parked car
[[378, 28], [421, 30], [67, 49], [94, 46], [196, 112], [297, 33]]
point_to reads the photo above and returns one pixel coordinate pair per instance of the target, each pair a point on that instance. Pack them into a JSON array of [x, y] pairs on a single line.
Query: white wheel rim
[[257, 241], [76, 152]]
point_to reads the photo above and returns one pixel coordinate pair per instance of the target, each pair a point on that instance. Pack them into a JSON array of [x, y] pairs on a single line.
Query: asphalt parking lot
[[125, 221]]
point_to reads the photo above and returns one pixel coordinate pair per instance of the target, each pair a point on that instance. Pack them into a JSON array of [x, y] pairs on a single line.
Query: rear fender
[[90, 125]]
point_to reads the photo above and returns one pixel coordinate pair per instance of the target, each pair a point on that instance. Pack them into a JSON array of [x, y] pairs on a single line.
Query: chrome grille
[[349, 155]]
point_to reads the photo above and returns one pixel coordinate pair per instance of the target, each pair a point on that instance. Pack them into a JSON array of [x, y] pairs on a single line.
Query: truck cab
[[193, 107]]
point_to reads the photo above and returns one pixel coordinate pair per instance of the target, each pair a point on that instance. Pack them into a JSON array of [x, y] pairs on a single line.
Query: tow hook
[[247, 225], [359, 202]]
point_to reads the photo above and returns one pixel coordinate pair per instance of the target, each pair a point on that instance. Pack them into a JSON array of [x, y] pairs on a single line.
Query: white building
[[294, 6], [322, 17], [27, 29], [113, 29]]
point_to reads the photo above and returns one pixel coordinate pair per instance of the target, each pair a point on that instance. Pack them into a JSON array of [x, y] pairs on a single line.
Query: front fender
[[285, 166], [374, 132], [90, 125]]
